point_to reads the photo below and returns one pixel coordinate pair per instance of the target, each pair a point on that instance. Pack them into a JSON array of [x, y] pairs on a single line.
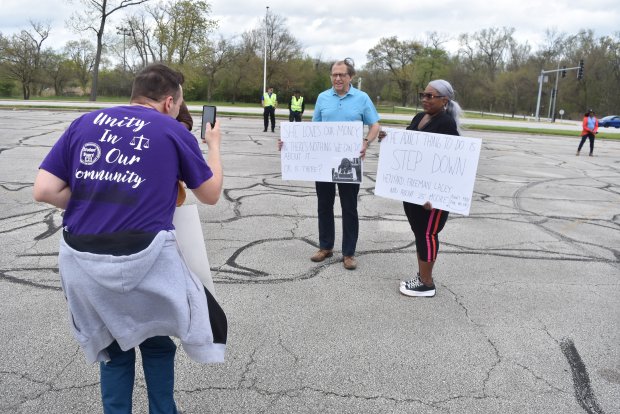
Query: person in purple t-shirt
[[116, 174]]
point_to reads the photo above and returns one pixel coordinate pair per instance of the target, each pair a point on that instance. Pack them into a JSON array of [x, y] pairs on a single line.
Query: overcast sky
[[334, 29]]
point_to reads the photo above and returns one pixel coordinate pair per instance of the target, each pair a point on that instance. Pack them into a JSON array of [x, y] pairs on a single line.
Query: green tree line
[[491, 71]]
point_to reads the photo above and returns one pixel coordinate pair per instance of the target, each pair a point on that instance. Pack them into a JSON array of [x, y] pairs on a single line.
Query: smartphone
[[208, 115]]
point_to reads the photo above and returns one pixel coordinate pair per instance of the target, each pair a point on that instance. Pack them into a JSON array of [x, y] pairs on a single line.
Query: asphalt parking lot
[[526, 317]]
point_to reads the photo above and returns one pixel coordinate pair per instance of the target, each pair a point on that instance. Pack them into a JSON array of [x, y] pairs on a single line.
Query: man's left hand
[[364, 148]]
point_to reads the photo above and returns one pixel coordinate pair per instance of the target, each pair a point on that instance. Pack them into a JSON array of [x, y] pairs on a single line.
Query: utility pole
[[552, 94], [555, 92], [265, 60], [562, 70]]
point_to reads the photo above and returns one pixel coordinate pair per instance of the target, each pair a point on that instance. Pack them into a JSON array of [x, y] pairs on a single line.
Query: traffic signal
[[580, 70], [563, 71]]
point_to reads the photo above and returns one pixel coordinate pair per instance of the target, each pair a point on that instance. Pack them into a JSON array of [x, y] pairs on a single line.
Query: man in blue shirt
[[342, 103]]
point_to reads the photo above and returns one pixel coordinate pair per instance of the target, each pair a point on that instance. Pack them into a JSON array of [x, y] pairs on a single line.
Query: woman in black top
[[440, 116]]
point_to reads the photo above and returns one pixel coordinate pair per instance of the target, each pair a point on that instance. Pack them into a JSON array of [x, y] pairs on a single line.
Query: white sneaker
[[412, 280], [417, 288]]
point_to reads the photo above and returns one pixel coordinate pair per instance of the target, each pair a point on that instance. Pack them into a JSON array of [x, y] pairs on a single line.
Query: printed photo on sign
[[417, 167], [348, 170], [322, 151]]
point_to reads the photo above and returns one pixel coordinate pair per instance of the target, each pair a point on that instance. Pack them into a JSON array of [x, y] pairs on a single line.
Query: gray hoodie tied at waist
[[132, 298]]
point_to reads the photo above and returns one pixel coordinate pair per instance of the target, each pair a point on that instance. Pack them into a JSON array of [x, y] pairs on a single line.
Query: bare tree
[[141, 34], [215, 58], [21, 56], [282, 46], [487, 48], [171, 32], [82, 55], [242, 66], [94, 17], [434, 40], [518, 55], [552, 47]]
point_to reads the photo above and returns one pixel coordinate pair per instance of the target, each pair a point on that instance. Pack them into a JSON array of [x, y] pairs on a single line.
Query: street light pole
[[555, 94], [265, 59], [124, 31], [540, 82]]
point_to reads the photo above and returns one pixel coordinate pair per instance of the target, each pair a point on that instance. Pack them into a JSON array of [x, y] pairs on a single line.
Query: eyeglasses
[[339, 75], [429, 96]]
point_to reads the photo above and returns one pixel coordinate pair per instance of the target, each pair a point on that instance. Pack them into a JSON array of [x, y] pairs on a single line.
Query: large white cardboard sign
[[322, 151], [191, 242], [417, 167]]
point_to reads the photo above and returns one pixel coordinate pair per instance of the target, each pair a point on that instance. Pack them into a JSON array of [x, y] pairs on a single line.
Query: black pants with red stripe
[[426, 225]]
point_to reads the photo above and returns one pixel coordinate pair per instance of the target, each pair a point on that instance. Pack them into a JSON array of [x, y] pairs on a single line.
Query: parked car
[[610, 121]]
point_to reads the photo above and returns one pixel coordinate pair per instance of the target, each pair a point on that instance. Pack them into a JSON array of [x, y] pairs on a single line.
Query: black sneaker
[[415, 287]]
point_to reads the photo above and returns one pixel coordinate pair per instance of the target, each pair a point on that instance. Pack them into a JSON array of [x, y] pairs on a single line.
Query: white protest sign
[[417, 167], [192, 243], [322, 151]]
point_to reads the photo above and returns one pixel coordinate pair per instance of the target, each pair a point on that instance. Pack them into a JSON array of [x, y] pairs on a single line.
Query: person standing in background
[[185, 117], [269, 101], [296, 107], [590, 128]]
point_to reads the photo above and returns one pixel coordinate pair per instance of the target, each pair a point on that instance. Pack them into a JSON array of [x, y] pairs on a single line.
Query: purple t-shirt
[[122, 165]]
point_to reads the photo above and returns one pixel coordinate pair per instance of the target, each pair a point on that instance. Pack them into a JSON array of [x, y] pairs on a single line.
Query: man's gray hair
[[348, 62]]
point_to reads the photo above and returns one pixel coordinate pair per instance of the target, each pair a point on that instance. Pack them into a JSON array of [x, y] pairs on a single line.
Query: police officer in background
[[269, 101], [296, 107]]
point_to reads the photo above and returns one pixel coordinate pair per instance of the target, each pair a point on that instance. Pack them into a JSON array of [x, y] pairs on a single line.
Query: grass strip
[[538, 131], [603, 134]]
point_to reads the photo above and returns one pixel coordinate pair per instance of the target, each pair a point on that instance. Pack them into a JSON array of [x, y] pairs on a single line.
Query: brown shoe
[[349, 262], [321, 255]]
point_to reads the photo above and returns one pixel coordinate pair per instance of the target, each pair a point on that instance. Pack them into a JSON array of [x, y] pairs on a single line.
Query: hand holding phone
[[208, 115]]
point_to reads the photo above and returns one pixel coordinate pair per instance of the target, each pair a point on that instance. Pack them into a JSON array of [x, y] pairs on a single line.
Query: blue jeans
[[326, 194], [118, 375], [589, 136]]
